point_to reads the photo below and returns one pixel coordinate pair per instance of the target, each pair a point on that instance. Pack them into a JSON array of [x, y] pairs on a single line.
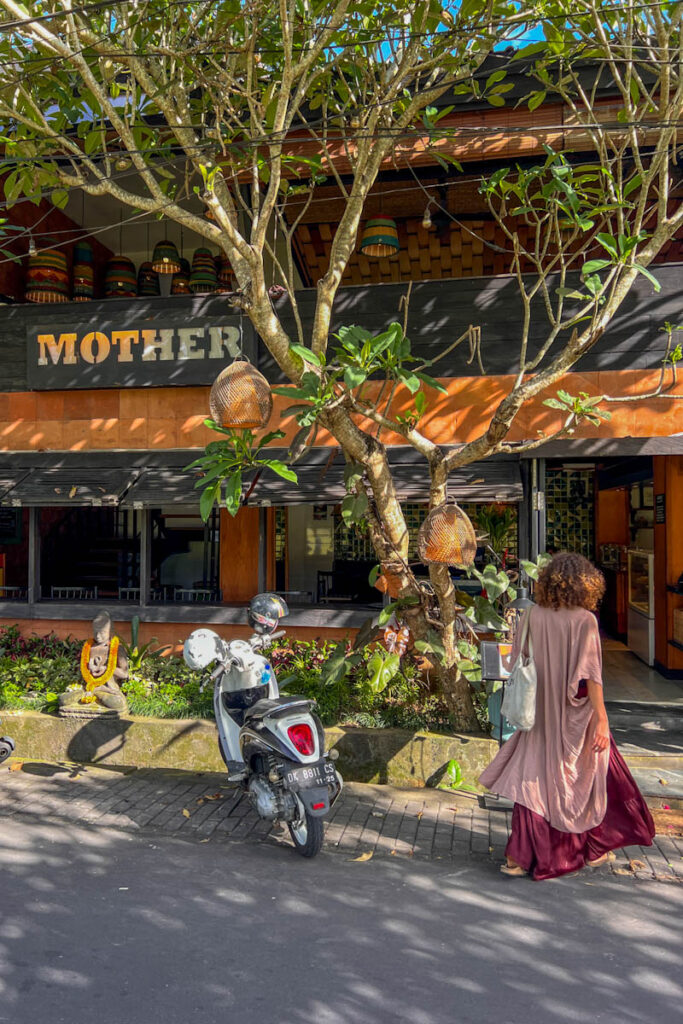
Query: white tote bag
[[519, 702]]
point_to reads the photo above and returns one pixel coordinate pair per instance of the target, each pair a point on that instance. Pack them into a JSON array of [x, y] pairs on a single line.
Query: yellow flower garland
[[92, 681]]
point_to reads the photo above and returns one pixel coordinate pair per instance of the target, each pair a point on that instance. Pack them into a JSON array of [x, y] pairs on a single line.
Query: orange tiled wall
[[160, 418]]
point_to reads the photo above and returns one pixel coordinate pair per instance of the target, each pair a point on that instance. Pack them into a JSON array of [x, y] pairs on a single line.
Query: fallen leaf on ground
[[186, 812], [213, 796], [637, 865], [419, 815], [392, 853], [378, 814], [200, 800], [204, 840], [620, 871], [663, 782], [364, 856]]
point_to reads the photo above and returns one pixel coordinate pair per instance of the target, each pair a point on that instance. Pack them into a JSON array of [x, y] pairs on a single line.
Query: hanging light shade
[[226, 279], [447, 537], [203, 278], [240, 397], [47, 277], [148, 279], [165, 259], [120, 280], [180, 283], [84, 272], [380, 238]]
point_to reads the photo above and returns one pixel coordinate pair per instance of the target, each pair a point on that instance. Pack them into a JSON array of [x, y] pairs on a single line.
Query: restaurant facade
[[103, 402]]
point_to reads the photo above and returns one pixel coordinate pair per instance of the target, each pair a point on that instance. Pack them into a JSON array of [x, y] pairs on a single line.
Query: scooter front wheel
[[307, 834]]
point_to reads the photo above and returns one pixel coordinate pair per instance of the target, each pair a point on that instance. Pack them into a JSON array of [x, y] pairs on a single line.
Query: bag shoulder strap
[[526, 636]]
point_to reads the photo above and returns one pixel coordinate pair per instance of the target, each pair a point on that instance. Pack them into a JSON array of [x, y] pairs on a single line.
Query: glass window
[[184, 556], [13, 554], [89, 554]]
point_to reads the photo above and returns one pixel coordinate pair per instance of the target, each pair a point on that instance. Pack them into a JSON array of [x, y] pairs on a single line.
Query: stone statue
[[104, 666]]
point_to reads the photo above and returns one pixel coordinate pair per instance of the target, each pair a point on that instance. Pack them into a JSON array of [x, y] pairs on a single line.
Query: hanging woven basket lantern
[[120, 279], [447, 537], [180, 283], [203, 279], [165, 259], [226, 280], [148, 279], [240, 397], [380, 238], [83, 272], [47, 277]]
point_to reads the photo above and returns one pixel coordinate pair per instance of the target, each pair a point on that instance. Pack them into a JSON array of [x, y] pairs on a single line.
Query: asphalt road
[[103, 927]]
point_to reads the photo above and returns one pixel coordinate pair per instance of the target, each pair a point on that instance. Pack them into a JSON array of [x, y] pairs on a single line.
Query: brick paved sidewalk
[[377, 820]]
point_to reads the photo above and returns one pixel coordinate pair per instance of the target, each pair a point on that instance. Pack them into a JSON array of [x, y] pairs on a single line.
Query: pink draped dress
[[572, 804]]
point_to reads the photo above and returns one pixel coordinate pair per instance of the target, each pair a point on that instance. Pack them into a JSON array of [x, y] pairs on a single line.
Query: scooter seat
[[275, 705]]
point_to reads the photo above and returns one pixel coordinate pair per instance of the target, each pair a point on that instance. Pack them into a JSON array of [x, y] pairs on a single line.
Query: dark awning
[[157, 487], [157, 479], [321, 479], [76, 485], [607, 447]]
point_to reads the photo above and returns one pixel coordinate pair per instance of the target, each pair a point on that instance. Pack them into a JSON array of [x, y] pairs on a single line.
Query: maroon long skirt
[[545, 852]]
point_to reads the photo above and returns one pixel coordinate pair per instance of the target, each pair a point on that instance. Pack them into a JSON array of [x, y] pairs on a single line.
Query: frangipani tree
[[248, 106]]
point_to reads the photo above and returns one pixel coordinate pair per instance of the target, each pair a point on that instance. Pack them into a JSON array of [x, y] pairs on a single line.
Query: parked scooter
[[273, 746], [6, 748]]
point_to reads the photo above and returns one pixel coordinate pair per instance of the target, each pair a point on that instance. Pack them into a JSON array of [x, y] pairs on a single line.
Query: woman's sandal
[[513, 872], [606, 857]]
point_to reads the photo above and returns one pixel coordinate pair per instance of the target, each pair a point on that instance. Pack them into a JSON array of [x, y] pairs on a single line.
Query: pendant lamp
[[380, 238], [180, 284], [226, 280], [148, 280], [240, 397], [203, 278], [84, 272], [165, 259], [120, 280], [47, 278]]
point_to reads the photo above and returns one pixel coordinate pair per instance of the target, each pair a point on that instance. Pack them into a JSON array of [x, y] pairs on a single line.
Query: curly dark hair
[[569, 581]]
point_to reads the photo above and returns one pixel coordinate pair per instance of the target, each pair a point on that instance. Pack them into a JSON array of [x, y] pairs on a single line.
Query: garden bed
[[35, 670]]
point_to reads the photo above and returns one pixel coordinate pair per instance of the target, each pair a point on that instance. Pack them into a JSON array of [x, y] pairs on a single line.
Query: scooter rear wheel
[[6, 749], [307, 835]]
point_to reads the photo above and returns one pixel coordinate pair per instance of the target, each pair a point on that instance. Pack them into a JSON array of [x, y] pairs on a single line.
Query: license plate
[[321, 774]]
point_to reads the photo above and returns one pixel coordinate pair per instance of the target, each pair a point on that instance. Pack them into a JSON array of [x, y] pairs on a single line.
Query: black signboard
[[10, 525], [131, 351], [660, 508]]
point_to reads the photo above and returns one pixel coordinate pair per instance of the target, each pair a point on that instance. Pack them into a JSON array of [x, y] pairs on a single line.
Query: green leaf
[[386, 613], [495, 100], [591, 266], [354, 376], [431, 382], [536, 99], [206, 501], [382, 669], [306, 354], [646, 273], [411, 381], [281, 469]]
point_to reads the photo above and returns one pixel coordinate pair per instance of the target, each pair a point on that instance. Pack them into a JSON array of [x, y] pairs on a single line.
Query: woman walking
[[575, 799]]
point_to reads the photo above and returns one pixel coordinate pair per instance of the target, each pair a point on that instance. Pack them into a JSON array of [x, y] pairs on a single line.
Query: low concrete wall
[[392, 756]]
